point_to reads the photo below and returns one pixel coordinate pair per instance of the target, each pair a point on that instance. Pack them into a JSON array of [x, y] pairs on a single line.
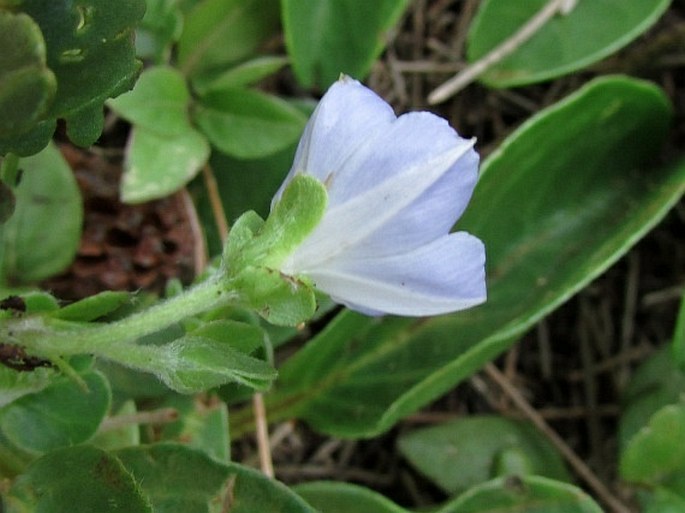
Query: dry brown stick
[[506, 48], [262, 433], [578, 465], [261, 424], [215, 202]]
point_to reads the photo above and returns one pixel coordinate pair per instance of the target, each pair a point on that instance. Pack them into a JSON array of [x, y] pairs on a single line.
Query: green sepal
[[292, 219], [256, 249], [280, 299], [244, 230]]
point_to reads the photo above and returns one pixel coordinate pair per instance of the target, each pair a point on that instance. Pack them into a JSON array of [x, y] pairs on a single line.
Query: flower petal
[[443, 276], [348, 116], [409, 141], [346, 225], [431, 215]]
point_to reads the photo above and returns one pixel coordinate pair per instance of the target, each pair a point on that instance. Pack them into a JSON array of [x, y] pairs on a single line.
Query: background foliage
[[200, 94]]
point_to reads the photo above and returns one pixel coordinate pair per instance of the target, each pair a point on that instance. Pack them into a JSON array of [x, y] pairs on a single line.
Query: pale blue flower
[[396, 186]]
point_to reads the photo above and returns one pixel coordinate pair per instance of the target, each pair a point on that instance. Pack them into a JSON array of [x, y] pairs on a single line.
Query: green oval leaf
[[463, 453], [159, 102], [93, 307], [43, 234], [531, 494], [333, 497], [328, 37], [243, 75], [591, 31], [27, 86], [61, 414], [248, 124], [56, 483], [564, 197], [158, 165]]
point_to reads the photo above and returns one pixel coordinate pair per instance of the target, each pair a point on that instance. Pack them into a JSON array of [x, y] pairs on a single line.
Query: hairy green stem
[[116, 340]]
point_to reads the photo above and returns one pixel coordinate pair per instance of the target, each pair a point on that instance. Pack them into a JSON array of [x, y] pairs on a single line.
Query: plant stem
[[9, 169], [116, 340]]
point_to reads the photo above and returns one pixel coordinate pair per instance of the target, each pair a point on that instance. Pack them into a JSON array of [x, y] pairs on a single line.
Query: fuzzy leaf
[[158, 165], [55, 483], [59, 415]]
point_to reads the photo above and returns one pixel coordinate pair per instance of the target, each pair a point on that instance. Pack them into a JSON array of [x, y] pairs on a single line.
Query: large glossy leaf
[[463, 453], [177, 478], [79, 480], [90, 50], [328, 37], [42, 236], [530, 494], [62, 414], [591, 31], [334, 497], [563, 198]]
